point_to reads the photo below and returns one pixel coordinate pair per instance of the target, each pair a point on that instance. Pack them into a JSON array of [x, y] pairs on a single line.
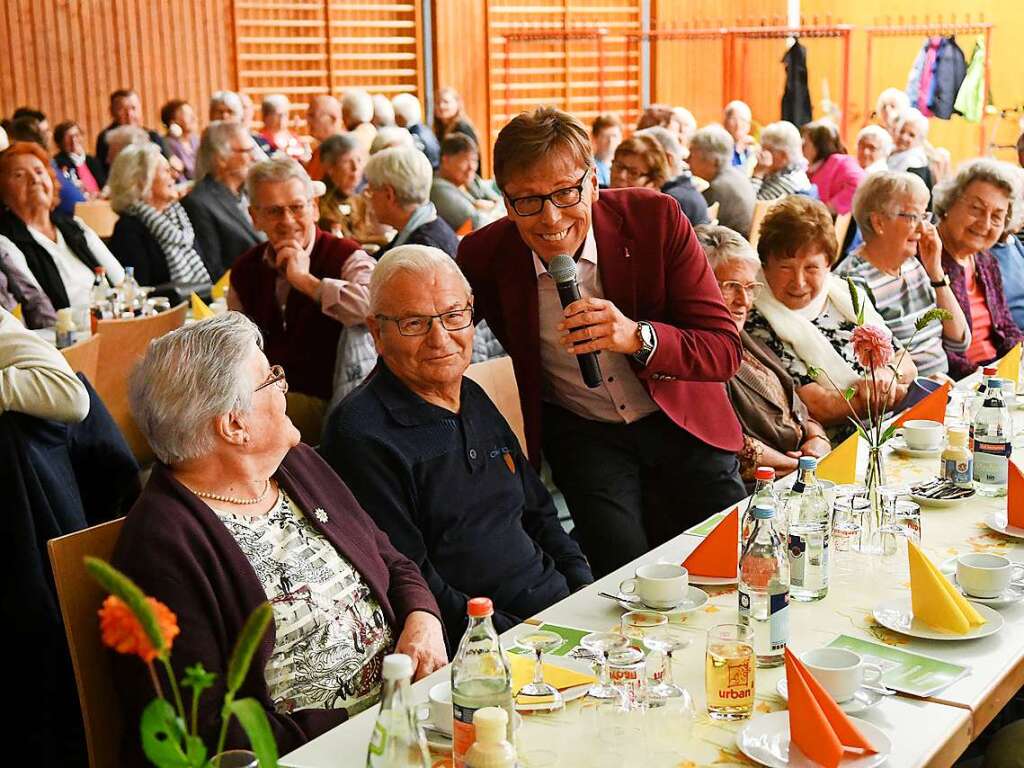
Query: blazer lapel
[[517, 293], [615, 264]]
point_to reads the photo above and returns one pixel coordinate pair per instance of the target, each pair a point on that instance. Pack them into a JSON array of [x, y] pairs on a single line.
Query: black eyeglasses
[[420, 325], [276, 377], [531, 205]]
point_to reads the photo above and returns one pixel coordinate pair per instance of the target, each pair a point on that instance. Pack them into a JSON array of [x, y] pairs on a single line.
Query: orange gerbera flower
[[123, 632]]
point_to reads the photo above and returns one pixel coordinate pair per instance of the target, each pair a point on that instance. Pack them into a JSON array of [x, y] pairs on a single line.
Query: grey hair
[[879, 193], [998, 173], [228, 99], [892, 94], [275, 102], [715, 143], [912, 115], [685, 118], [785, 137], [669, 143], [415, 259], [383, 112], [132, 174], [722, 245], [277, 169], [879, 133], [125, 136], [335, 147], [357, 104], [216, 143], [406, 170], [389, 136], [408, 108], [740, 107], [188, 378]]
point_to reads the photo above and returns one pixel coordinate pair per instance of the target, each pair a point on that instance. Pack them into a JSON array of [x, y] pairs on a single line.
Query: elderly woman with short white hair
[[909, 133], [781, 168], [736, 119], [154, 233], [874, 144], [711, 150], [238, 513], [900, 265], [357, 115], [391, 137], [276, 117], [889, 105]]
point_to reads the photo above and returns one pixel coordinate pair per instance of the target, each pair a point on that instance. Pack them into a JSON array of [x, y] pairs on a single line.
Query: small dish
[[765, 740], [863, 700], [695, 598], [997, 525], [898, 616], [899, 445]]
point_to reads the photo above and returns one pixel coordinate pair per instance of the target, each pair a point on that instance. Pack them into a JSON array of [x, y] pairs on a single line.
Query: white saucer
[[1004, 528], [899, 445], [695, 598], [765, 740], [714, 581], [863, 700], [569, 694], [1013, 593], [898, 616]]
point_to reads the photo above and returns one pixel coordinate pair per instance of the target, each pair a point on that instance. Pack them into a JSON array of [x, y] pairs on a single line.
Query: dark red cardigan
[[178, 551], [304, 340]]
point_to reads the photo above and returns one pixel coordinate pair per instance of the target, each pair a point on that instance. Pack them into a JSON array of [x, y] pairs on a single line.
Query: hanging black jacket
[[796, 100], [950, 71]]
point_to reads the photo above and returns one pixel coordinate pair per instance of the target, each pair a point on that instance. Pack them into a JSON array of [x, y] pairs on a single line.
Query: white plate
[[1004, 528], [714, 581], [695, 598], [862, 700], [926, 501], [765, 740], [898, 616], [900, 446]]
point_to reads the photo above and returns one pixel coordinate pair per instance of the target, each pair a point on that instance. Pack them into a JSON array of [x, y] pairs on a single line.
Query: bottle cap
[[764, 473], [763, 512], [994, 384], [396, 666], [808, 462], [490, 724], [989, 370], [479, 607]]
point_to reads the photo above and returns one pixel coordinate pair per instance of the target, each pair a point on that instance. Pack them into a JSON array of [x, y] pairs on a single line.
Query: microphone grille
[[562, 268]]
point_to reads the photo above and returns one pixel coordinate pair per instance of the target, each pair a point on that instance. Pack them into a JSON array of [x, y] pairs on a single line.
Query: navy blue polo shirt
[[456, 495]]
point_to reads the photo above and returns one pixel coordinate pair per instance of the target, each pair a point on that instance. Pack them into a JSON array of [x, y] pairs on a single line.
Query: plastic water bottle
[[765, 495], [397, 740], [130, 291], [808, 519], [481, 677], [764, 588], [99, 298], [991, 442]]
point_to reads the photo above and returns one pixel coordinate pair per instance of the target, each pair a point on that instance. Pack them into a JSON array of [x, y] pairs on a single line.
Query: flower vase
[[870, 540]]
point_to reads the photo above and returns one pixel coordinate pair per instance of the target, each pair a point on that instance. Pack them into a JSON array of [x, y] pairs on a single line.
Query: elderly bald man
[[433, 461], [323, 118]]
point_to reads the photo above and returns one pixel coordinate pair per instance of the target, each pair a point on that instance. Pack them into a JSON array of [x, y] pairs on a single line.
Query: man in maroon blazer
[[651, 450]]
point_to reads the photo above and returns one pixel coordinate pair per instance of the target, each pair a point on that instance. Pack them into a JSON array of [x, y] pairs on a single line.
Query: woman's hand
[[764, 163], [929, 251], [816, 446], [422, 640]]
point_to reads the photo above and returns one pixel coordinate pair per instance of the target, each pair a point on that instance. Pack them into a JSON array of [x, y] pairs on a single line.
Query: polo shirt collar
[[404, 405]]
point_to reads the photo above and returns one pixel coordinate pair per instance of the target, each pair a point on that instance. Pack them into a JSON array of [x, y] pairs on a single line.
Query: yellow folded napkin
[[17, 312], [935, 600], [840, 464], [199, 309], [1009, 366], [217, 291], [560, 677]]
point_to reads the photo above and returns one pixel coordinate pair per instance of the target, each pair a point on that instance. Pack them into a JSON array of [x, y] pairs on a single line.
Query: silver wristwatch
[[648, 340]]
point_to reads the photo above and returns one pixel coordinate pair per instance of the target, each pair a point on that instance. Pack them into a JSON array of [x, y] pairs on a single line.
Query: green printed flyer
[[570, 635], [902, 670]]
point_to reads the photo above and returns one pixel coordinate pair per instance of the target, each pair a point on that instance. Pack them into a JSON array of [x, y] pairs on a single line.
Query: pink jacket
[[837, 179]]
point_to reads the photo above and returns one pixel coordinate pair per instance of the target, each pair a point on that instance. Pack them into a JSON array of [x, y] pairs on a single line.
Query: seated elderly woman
[[238, 513], [908, 152], [344, 210], [182, 139], [830, 169], [276, 118], [711, 150], [73, 159], [777, 429], [973, 208], [900, 265], [736, 119], [300, 287], [806, 317], [216, 206], [679, 186], [153, 233], [462, 198], [889, 105], [874, 144], [781, 167], [482, 525], [56, 253]]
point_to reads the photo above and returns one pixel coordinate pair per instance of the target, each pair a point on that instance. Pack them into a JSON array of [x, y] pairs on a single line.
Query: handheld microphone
[[563, 270]]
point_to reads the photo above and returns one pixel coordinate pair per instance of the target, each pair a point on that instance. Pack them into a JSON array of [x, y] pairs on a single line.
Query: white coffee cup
[[983, 575], [922, 434], [840, 672], [658, 585], [440, 697]]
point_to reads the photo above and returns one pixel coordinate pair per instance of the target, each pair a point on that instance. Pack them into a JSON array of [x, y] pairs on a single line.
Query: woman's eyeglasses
[[916, 219], [732, 288], [276, 377]]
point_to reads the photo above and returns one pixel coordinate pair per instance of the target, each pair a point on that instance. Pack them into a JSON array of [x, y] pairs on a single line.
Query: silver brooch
[[320, 515]]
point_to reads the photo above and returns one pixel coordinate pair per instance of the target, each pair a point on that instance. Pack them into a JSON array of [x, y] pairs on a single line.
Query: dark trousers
[[631, 487]]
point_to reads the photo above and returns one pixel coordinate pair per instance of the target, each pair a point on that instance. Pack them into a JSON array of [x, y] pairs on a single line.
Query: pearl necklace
[[233, 499]]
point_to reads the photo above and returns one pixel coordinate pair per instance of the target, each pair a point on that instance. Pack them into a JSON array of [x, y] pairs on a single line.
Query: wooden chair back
[[761, 208], [80, 598], [498, 379], [124, 342], [84, 357], [713, 212], [98, 215], [842, 228]]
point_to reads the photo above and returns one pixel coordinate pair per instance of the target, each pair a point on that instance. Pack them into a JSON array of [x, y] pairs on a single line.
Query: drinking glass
[[729, 672], [666, 640], [602, 644], [540, 641], [635, 624], [848, 520], [906, 518]]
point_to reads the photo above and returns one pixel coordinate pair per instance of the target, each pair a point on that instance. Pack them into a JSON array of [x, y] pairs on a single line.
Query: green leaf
[[246, 645], [849, 393], [163, 734], [119, 585], [197, 678], [813, 372], [254, 721], [931, 316], [862, 432], [889, 431], [857, 309], [860, 315], [196, 751]]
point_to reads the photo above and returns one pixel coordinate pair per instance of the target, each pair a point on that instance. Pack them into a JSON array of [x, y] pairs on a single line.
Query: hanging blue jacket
[[947, 76]]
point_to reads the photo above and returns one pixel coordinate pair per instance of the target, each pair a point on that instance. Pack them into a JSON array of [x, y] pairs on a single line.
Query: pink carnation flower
[[873, 346]]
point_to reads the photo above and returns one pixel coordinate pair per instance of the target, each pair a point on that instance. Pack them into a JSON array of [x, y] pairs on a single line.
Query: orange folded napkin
[[840, 464], [816, 723], [1015, 497], [932, 407], [717, 554], [1009, 366]]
